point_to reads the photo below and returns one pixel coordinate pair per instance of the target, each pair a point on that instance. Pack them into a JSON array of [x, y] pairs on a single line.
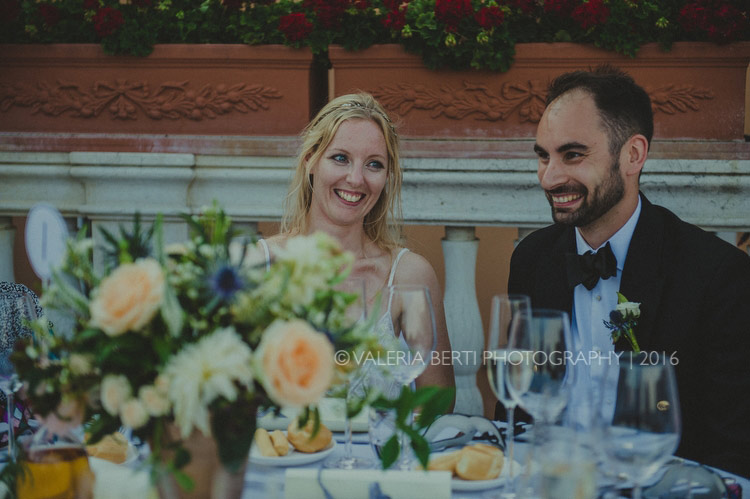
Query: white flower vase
[[210, 477]]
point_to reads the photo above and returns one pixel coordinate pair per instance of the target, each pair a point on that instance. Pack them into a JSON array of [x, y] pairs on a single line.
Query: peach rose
[[128, 298], [294, 363]]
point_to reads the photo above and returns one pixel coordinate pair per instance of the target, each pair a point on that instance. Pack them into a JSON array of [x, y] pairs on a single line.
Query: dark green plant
[[445, 33]]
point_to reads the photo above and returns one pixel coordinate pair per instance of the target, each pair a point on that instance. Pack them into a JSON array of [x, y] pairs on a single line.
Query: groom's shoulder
[[696, 244]]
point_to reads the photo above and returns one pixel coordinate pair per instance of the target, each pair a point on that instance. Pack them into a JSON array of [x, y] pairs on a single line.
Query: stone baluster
[[462, 315]]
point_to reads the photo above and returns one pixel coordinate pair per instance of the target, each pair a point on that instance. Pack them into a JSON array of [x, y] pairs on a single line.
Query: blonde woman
[[347, 183]]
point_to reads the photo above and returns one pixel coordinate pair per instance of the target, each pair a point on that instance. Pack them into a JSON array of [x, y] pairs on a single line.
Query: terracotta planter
[[178, 89], [698, 89], [212, 480]]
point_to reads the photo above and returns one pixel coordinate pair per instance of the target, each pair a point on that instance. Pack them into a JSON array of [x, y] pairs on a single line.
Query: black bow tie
[[588, 268]]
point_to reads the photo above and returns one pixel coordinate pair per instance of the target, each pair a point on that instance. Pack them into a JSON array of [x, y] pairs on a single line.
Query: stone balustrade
[[494, 183]]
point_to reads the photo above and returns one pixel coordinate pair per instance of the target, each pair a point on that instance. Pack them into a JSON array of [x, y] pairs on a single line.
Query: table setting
[[199, 370]]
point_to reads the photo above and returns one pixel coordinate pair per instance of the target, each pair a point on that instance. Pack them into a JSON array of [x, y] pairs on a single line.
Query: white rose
[[115, 391], [133, 414], [629, 309], [80, 364], [162, 384], [156, 403]]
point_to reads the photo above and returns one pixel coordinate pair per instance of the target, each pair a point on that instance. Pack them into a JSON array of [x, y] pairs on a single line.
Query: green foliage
[[431, 402], [618, 25]]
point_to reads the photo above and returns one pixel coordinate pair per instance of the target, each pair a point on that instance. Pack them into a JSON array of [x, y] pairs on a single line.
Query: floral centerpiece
[[453, 33], [191, 339]]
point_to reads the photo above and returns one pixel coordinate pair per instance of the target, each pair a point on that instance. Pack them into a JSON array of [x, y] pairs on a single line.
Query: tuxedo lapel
[[642, 276], [551, 289]]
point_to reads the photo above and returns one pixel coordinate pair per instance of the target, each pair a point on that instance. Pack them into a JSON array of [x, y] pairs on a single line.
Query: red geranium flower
[[591, 13], [489, 17], [395, 19], [452, 12], [50, 14], [719, 21], [107, 20], [90, 4], [295, 26], [328, 13]]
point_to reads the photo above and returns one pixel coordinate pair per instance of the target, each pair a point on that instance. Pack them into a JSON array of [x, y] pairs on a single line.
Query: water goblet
[[356, 313], [506, 312], [642, 431], [408, 351]]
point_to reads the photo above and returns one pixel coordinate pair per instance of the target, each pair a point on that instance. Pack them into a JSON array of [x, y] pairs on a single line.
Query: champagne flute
[[643, 430], [507, 312], [409, 350], [356, 312]]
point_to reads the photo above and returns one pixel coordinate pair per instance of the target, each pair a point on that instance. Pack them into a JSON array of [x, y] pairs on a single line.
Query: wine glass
[[537, 366], [506, 312], [356, 312], [642, 431], [408, 351]]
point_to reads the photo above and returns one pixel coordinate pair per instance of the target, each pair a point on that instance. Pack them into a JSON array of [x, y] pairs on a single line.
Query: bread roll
[[280, 443], [112, 447], [264, 444], [446, 462], [480, 462], [302, 439]]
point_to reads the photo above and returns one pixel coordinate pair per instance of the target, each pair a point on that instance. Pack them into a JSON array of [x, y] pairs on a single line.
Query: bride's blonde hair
[[383, 223]]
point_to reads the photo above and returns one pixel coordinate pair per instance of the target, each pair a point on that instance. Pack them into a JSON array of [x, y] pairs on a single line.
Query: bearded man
[[694, 289]]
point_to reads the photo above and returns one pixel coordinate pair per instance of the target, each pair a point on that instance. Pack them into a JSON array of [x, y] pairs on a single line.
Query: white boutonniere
[[623, 320]]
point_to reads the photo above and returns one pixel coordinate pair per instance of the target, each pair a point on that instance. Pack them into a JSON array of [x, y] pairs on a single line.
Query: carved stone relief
[[127, 100], [525, 98]]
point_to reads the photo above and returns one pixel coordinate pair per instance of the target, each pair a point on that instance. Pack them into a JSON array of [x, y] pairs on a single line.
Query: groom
[[694, 289]]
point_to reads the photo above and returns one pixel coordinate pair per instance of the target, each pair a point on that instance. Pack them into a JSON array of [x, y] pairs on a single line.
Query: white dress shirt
[[591, 338]]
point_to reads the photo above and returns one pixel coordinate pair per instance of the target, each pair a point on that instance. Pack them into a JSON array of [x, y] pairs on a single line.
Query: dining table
[[291, 479]]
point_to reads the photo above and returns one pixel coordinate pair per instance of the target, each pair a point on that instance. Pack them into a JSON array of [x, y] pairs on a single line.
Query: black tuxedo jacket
[[694, 291]]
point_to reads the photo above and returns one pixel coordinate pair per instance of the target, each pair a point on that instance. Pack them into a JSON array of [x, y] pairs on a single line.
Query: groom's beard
[[595, 203]]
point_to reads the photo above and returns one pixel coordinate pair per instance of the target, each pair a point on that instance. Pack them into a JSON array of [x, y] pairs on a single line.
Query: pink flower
[[128, 298], [295, 363]]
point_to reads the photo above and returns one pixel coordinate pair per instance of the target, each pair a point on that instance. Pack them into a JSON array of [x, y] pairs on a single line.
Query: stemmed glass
[[356, 313], [409, 350], [17, 310], [507, 312], [537, 365], [643, 430]]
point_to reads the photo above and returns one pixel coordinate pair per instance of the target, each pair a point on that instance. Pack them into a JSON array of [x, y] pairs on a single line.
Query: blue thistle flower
[[225, 282]]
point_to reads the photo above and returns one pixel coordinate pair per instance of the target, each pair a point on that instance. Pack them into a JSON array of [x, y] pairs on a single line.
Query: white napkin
[[302, 483]]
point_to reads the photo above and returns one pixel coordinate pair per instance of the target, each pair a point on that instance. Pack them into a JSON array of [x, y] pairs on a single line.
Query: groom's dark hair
[[624, 106]]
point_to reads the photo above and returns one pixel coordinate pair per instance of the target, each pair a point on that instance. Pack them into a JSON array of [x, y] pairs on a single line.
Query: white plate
[[459, 484], [294, 458]]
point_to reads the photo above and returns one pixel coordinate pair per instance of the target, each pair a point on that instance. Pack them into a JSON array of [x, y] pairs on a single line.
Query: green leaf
[[390, 452]]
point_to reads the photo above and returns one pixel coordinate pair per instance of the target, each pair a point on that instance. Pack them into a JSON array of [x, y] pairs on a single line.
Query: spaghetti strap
[[395, 264], [267, 252]]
